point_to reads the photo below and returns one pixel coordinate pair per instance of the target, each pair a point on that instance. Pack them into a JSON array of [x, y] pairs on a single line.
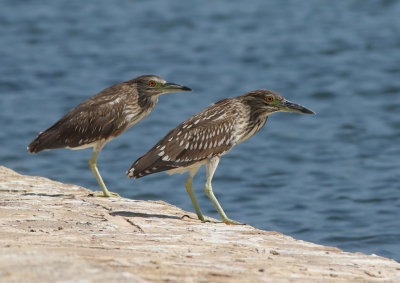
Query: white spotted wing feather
[[211, 132]]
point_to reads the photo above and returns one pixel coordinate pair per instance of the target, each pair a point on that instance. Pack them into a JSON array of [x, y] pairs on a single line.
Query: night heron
[[103, 117], [205, 137]]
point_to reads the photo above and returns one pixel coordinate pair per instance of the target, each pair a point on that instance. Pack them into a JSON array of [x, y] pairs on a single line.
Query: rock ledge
[[55, 232]]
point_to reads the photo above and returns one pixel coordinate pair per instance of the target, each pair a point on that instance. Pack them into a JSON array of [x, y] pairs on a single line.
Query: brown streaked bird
[[205, 137], [103, 117]]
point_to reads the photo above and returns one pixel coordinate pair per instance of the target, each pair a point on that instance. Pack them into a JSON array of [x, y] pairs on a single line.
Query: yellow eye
[[270, 98], [152, 83]]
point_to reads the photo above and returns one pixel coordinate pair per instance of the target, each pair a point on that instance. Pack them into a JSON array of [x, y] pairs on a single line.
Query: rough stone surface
[[54, 232]]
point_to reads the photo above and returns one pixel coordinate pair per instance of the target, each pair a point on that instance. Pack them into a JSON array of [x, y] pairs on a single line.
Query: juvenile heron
[[103, 117], [205, 137]]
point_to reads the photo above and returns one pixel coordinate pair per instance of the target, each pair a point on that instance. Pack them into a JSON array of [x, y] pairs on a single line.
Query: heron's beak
[[171, 87], [288, 106]]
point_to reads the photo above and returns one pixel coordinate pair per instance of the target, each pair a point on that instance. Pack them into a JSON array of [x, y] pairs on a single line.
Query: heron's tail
[[45, 140]]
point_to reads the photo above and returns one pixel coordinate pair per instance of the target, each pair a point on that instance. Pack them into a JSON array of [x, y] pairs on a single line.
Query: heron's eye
[[152, 83], [270, 98]]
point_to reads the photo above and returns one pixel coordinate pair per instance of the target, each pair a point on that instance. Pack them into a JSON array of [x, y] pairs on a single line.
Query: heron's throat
[[253, 127], [148, 102]]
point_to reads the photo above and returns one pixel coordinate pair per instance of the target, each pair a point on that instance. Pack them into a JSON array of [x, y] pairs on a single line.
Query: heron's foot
[[231, 222], [107, 194], [202, 219], [207, 220]]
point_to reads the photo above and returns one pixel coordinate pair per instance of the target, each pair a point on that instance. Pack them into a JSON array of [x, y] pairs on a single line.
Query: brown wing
[[99, 117], [205, 135]]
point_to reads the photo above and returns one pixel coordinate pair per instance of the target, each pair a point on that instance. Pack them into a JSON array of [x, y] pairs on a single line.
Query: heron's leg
[[189, 189], [95, 170], [210, 169]]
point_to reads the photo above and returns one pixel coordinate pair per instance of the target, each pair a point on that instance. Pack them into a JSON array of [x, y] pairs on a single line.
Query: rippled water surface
[[333, 178]]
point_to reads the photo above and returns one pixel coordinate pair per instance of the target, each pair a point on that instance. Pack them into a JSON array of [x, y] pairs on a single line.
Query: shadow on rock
[[50, 195], [144, 215]]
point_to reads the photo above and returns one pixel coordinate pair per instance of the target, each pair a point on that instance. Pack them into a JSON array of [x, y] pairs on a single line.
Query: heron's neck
[[254, 124], [148, 102]]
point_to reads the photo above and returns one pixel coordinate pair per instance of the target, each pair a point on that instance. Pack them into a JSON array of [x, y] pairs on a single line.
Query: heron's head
[[151, 85], [265, 102]]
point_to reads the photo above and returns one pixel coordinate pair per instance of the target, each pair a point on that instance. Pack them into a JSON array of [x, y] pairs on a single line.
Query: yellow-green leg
[[189, 189], [95, 170], [211, 166]]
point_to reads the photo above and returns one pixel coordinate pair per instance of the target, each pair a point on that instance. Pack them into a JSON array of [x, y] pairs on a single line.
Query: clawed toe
[[232, 222]]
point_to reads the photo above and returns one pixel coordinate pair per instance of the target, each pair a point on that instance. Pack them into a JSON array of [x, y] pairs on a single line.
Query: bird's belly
[[82, 146], [100, 143], [192, 167]]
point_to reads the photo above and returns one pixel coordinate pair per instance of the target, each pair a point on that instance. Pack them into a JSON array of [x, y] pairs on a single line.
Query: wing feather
[[209, 133], [102, 116]]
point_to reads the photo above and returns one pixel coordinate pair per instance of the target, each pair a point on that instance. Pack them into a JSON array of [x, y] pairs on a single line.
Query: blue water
[[333, 178]]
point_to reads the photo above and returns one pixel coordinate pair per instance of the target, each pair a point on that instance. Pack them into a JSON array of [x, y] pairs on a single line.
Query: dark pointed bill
[[293, 107], [176, 87]]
